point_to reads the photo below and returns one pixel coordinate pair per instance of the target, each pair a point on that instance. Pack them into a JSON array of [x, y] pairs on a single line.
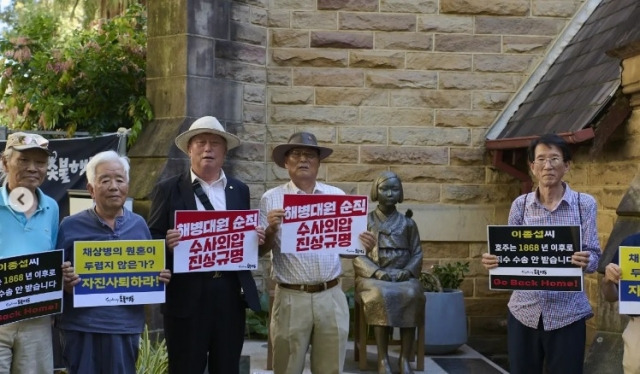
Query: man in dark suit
[[204, 313]]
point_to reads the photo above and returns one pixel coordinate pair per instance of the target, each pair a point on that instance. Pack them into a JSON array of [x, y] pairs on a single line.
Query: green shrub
[[257, 323], [152, 357], [444, 277], [85, 80]]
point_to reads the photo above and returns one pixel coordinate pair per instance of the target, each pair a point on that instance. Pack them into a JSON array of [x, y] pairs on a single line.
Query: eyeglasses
[[554, 161], [309, 155]]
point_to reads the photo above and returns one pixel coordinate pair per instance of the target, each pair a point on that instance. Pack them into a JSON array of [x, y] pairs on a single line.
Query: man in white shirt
[[309, 305]]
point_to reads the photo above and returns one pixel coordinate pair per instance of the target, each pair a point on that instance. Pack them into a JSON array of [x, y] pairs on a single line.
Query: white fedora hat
[[203, 125]]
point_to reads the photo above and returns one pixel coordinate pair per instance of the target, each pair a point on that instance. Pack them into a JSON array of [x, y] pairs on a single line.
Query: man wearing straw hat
[[309, 306], [204, 313]]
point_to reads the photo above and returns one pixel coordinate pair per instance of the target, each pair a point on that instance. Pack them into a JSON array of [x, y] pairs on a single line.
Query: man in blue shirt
[[25, 346], [102, 340]]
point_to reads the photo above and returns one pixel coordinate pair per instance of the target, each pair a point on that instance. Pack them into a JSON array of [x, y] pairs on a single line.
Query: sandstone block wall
[[409, 86], [404, 85]]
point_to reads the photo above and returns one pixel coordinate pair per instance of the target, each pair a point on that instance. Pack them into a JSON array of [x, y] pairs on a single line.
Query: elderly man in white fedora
[[204, 313], [28, 224], [309, 306]]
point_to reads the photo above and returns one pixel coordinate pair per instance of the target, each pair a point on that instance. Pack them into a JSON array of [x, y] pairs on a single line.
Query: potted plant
[[445, 316]]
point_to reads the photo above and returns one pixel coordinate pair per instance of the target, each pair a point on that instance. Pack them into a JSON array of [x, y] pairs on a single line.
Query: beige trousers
[[301, 319], [25, 347]]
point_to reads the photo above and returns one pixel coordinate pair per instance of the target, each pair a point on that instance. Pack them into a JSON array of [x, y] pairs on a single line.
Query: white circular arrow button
[[21, 199]]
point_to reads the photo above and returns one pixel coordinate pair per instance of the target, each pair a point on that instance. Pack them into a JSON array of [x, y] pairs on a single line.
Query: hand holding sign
[[172, 239], [489, 261], [165, 276], [261, 235], [581, 259], [612, 273], [70, 277], [274, 219], [368, 240]]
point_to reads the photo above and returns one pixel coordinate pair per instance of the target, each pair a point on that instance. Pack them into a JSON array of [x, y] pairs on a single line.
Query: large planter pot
[[445, 322]]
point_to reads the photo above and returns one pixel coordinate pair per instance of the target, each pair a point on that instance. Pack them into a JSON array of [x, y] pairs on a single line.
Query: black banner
[[67, 165], [30, 286], [548, 246]]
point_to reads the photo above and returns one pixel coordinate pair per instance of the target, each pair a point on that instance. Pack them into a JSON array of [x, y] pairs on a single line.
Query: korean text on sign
[[216, 240], [323, 223], [535, 257], [118, 272], [629, 286], [30, 286]]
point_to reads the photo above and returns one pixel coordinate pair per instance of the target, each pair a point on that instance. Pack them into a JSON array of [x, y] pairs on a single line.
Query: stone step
[[464, 361]]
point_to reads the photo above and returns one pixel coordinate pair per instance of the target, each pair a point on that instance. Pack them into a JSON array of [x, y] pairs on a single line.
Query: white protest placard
[[216, 240], [323, 224]]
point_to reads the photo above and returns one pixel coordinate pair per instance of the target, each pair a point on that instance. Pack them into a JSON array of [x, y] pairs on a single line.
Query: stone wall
[[403, 85], [412, 86], [607, 177], [612, 176]]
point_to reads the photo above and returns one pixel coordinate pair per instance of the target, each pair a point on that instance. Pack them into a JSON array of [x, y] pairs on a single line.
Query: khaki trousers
[[301, 319], [631, 339], [25, 347]]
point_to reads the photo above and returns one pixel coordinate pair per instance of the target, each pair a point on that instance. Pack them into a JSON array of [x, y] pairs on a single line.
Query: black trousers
[[558, 351], [213, 335]]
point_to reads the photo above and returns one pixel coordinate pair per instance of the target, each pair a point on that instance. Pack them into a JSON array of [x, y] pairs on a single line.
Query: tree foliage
[[81, 12], [89, 79]]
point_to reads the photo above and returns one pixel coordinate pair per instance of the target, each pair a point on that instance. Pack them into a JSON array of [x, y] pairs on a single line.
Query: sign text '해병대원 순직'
[[324, 223], [216, 240]]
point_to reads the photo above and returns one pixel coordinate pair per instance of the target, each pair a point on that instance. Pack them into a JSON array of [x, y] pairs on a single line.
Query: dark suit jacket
[[184, 292]]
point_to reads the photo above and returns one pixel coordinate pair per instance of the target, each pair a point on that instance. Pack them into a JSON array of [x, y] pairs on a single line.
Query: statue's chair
[[360, 339]]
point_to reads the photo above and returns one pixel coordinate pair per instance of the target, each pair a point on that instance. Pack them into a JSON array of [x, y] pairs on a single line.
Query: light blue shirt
[[21, 236]]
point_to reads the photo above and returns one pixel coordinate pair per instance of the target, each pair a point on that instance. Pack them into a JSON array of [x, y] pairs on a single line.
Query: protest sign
[[629, 286], [535, 258], [323, 224], [216, 240], [118, 272], [30, 286]]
